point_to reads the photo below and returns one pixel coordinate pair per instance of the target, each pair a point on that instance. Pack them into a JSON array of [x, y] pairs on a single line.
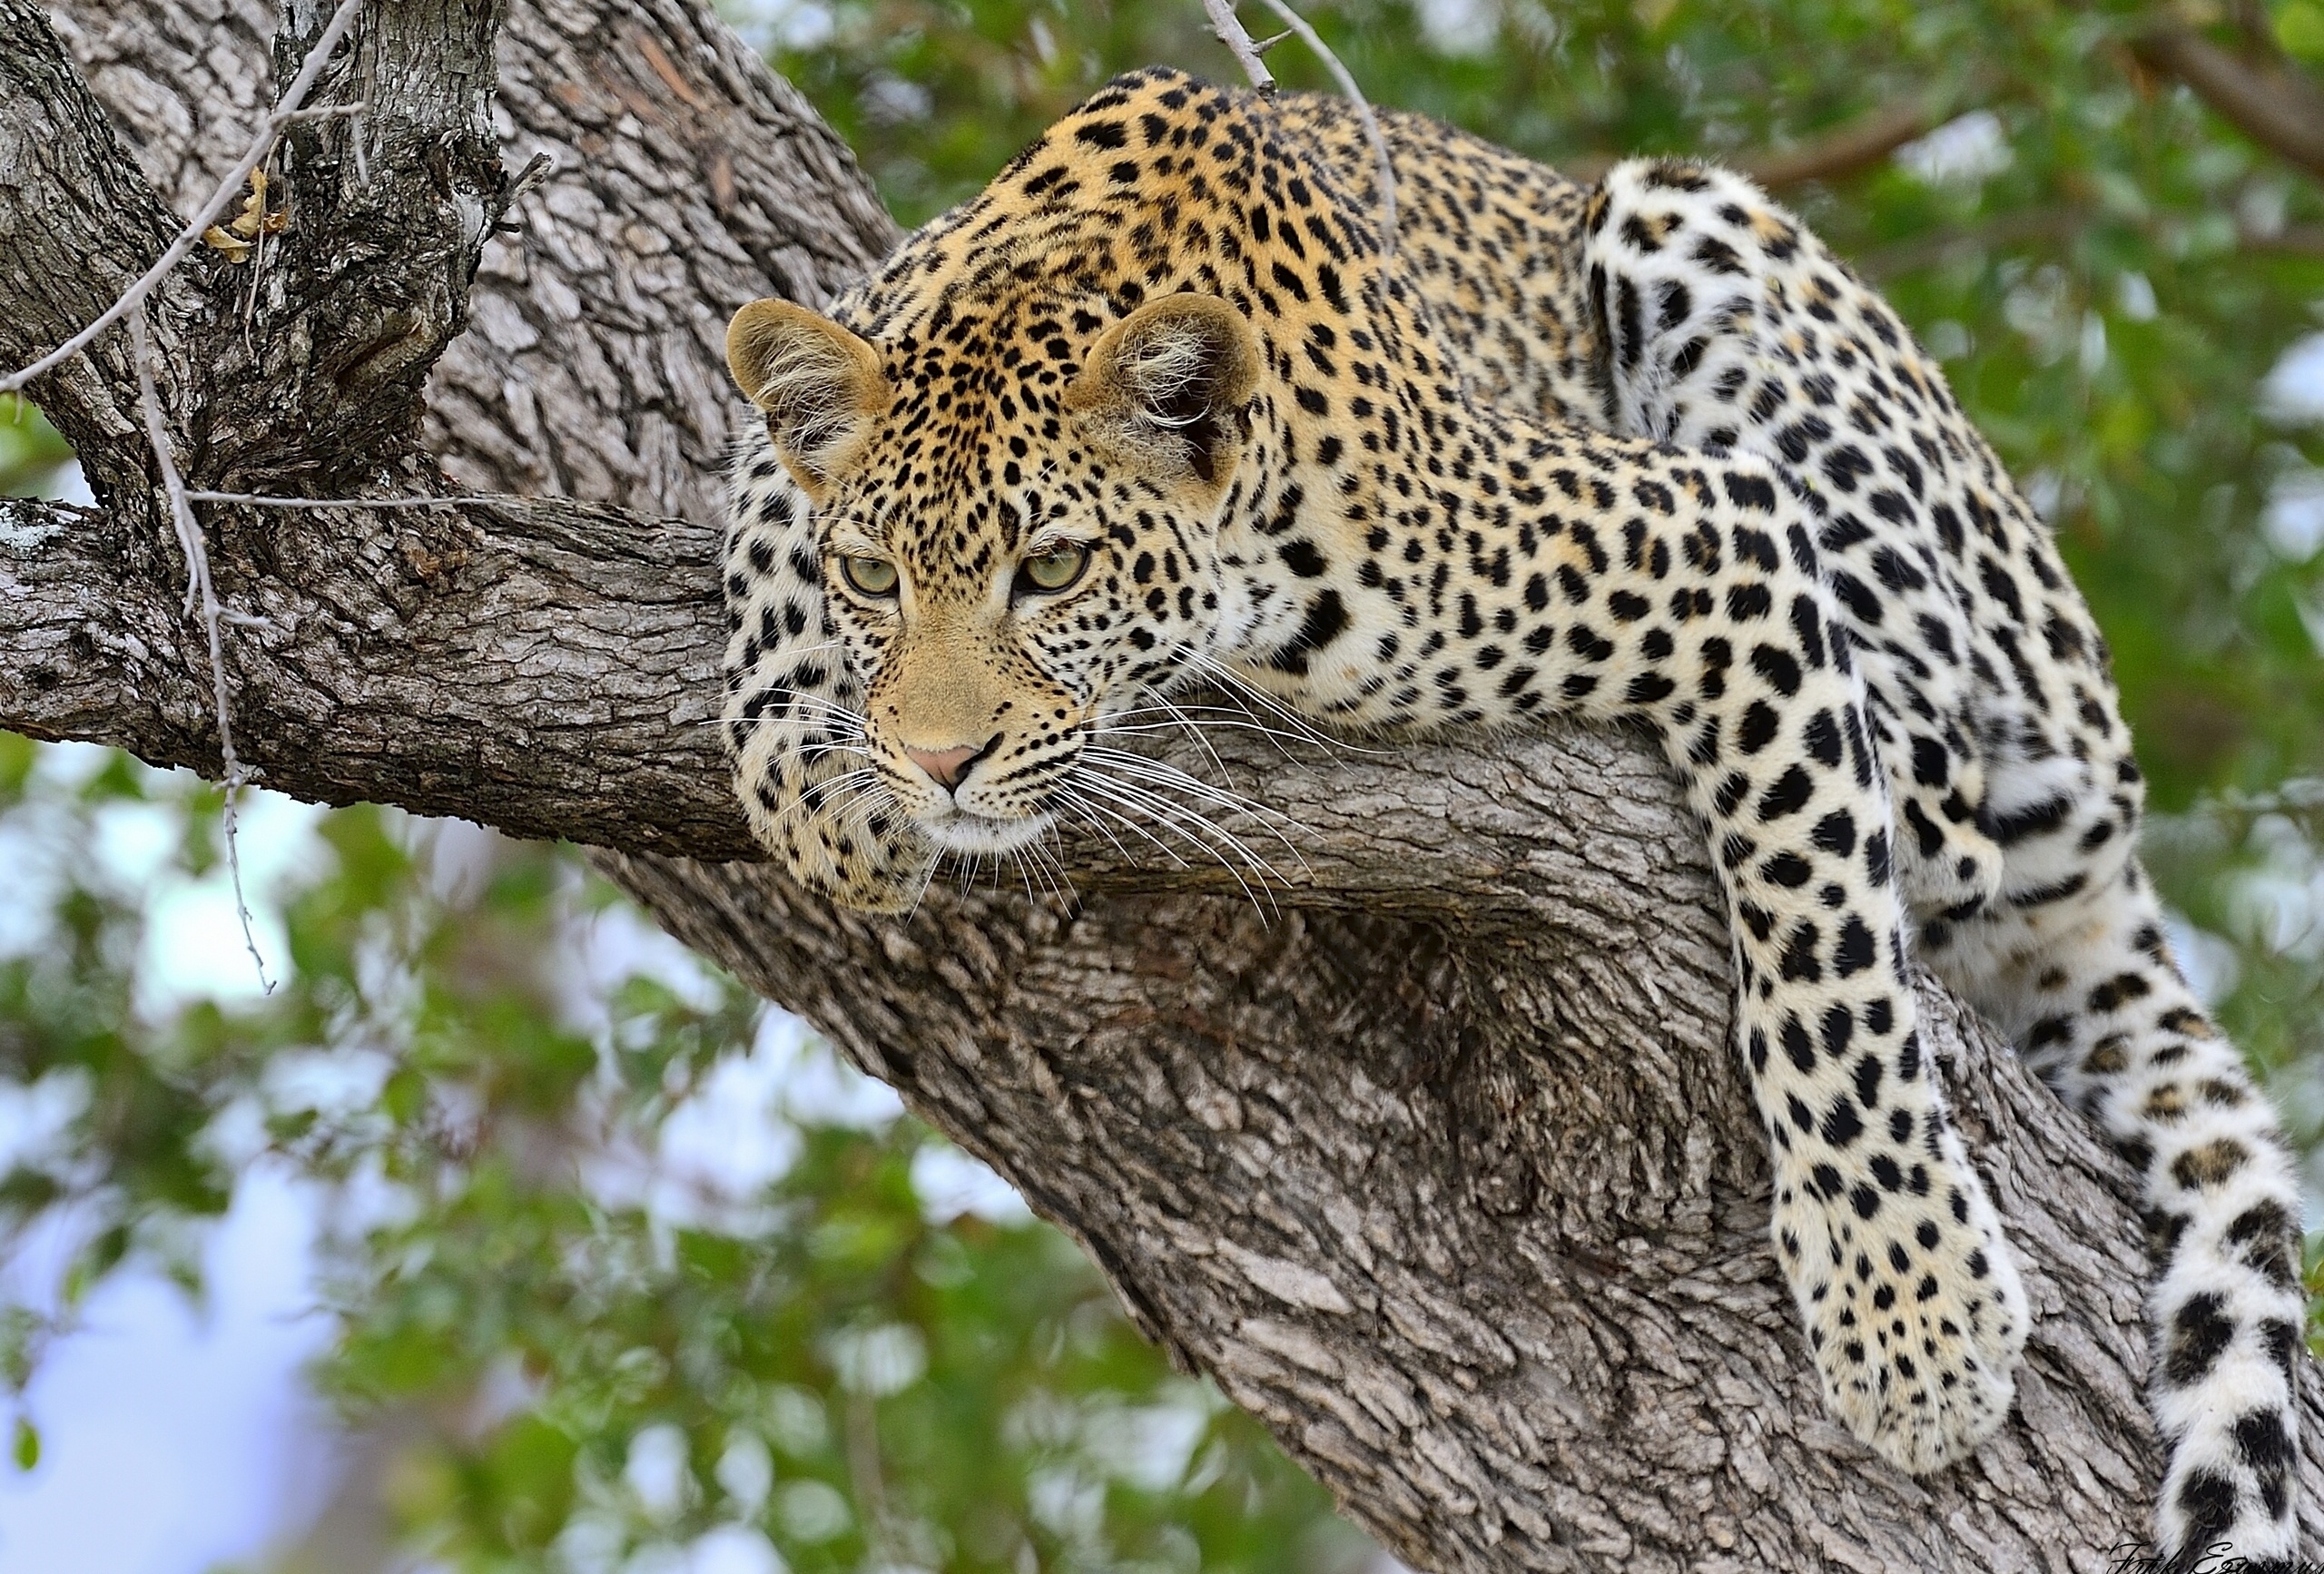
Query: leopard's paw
[[1912, 1301], [868, 861], [841, 837]]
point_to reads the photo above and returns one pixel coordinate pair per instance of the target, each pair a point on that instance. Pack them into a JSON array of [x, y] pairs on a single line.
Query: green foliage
[[650, 1357], [857, 1381], [31, 453]]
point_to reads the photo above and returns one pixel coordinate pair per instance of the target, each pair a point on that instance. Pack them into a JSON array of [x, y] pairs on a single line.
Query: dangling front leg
[[1723, 324], [1910, 1295]]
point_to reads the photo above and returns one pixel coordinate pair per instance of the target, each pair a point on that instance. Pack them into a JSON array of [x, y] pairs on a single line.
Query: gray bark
[[1439, 1163]]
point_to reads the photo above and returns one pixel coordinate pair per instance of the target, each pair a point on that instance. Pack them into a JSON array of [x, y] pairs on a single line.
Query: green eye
[[1055, 569], [872, 575]]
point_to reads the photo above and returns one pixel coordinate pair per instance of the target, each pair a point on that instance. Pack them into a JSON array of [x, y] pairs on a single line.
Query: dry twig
[[200, 596], [1228, 29]]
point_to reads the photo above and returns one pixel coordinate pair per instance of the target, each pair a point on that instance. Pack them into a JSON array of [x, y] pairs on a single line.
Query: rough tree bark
[[1440, 1164]]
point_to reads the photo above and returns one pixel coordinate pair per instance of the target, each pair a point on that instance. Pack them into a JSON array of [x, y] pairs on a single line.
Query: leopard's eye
[[872, 575], [1055, 569]]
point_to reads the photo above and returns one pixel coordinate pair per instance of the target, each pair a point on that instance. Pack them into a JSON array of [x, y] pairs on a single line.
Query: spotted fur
[[1641, 450]]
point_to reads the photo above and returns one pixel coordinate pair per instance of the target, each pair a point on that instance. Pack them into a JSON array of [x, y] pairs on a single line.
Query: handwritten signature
[[2219, 1558]]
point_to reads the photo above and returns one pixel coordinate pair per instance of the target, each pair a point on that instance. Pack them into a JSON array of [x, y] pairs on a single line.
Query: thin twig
[[251, 500], [1230, 31], [200, 594], [1387, 176], [285, 112], [359, 137], [282, 117]]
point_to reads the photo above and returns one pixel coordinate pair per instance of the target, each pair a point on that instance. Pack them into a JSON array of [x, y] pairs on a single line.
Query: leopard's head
[[1016, 504]]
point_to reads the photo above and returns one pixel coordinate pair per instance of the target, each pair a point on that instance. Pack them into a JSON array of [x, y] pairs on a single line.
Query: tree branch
[[1846, 149], [2264, 96], [78, 224], [566, 658]]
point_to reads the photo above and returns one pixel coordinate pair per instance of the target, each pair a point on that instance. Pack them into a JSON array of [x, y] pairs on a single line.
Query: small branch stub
[[1229, 30]]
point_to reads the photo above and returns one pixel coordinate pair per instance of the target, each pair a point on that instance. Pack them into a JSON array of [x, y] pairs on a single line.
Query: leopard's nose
[[949, 767]]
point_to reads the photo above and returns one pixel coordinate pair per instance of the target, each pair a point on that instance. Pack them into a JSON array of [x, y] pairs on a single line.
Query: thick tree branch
[[1446, 1170], [2263, 95], [78, 224], [565, 658]]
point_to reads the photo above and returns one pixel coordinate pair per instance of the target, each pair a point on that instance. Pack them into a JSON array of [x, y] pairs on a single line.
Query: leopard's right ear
[[819, 384], [1167, 387]]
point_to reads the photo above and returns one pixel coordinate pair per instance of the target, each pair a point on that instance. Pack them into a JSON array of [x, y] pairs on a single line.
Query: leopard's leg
[[1703, 607], [1722, 323], [792, 717], [1778, 348], [1911, 1294]]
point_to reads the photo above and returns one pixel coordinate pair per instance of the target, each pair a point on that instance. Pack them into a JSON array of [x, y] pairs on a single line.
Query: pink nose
[[946, 766]]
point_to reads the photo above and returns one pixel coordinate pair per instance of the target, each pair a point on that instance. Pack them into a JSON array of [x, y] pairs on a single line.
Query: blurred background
[[504, 1234]]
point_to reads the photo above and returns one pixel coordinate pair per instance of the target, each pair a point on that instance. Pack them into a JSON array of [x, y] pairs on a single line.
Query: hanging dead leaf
[[236, 238], [236, 249]]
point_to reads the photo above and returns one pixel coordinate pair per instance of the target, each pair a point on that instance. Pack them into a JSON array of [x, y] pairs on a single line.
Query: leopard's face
[[1015, 525]]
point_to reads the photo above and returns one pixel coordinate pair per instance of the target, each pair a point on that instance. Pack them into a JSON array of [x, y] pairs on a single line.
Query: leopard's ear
[[819, 385], [1166, 388]]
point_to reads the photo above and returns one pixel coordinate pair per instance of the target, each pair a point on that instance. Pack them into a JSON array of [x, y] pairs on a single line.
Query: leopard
[[1167, 404]]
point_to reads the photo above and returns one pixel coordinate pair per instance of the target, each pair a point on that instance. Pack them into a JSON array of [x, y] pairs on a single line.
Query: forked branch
[[2263, 95], [287, 111]]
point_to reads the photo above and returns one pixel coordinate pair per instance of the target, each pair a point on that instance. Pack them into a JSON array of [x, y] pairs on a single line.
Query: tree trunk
[[1437, 1158]]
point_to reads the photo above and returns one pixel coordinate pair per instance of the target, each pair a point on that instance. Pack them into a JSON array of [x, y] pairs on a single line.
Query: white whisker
[[1177, 818], [790, 651], [1166, 850], [1244, 686], [1088, 811], [1161, 774], [802, 700], [1170, 810]]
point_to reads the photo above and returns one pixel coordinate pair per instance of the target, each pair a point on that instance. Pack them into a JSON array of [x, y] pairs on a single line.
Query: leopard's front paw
[[1911, 1302], [838, 836], [868, 861]]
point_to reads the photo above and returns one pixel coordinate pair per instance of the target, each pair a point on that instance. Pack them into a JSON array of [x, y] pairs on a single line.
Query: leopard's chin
[[963, 830]]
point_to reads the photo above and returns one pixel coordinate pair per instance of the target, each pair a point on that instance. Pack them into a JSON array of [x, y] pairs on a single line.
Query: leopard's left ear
[[819, 384], [1165, 387]]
